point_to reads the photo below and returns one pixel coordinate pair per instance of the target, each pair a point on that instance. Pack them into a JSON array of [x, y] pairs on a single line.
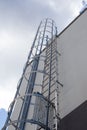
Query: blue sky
[[19, 20], [3, 115]]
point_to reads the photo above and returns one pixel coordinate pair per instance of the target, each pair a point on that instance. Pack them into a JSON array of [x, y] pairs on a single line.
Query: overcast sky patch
[[19, 20]]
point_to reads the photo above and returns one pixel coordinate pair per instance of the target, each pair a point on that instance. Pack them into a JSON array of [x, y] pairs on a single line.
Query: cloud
[[19, 20], [6, 95]]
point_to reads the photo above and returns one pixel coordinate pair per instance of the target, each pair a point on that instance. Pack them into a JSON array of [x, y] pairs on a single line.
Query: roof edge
[[71, 22]]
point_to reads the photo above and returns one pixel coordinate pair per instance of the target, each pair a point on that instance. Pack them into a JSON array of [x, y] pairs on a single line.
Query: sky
[[3, 115], [19, 20]]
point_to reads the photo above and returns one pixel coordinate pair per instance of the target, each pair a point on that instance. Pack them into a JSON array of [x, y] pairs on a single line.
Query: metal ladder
[[50, 85], [46, 33]]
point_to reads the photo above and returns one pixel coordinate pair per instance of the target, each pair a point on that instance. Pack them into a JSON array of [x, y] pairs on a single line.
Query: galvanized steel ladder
[[45, 39]]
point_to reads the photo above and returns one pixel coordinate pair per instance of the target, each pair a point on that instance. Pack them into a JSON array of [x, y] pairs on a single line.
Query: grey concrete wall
[[76, 120]]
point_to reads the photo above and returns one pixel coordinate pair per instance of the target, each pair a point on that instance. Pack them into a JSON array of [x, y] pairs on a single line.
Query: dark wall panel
[[76, 120]]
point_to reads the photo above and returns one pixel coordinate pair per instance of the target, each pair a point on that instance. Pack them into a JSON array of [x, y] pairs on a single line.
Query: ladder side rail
[[30, 87]]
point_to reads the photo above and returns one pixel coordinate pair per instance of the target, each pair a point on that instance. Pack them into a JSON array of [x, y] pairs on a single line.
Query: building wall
[[72, 65]]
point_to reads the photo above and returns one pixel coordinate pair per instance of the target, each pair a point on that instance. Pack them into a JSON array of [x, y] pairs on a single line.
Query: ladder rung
[[44, 91]]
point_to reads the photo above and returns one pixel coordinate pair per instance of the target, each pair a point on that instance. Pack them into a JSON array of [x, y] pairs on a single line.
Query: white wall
[[72, 65]]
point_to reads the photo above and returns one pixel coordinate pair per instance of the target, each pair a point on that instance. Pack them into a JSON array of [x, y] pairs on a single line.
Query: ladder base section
[[36, 116]]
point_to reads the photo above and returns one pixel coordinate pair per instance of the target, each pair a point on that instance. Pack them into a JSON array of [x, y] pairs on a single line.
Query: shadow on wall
[[76, 120]]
